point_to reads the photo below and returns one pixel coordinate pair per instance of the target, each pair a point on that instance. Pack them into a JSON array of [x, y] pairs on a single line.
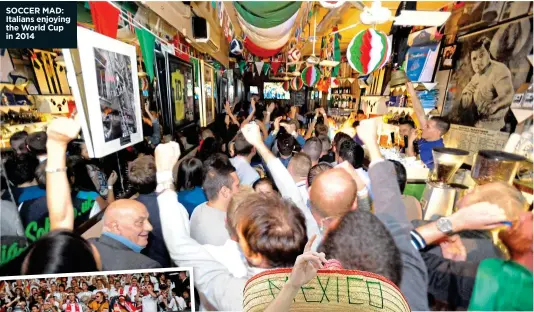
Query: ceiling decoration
[[368, 51]]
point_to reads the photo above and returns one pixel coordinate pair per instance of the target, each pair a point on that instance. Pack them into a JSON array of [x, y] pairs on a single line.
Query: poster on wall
[[208, 95], [107, 93], [180, 88], [447, 60], [491, 64]]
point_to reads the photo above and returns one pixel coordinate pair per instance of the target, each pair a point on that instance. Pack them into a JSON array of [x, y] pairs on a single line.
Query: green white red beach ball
[[296, 84], [368, 51], [310, 76]]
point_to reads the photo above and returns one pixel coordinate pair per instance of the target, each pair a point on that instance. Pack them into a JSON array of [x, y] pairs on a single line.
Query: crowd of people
[[150, 292], [260, 187]]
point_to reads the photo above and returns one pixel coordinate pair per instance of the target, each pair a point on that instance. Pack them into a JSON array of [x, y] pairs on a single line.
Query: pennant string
[[132, 22]]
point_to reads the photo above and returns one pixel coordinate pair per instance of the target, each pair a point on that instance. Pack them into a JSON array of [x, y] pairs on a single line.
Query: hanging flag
[[105, 18], [266, 68], [337, 54], [220, 8], [147, 41], [178, 51], [242, 65], [259, 67], [275, 66]]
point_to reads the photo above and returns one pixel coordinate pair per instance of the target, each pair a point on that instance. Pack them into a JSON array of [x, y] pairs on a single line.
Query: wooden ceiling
[[350, 15]]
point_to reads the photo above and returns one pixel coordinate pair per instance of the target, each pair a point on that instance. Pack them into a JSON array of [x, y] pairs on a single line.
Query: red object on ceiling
[[105, 18], [257, 51]]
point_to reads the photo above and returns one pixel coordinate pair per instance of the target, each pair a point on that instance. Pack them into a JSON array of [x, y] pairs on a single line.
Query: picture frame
[[162, 94], [180, 91], [207, 114], [447, 57], [106, 73]]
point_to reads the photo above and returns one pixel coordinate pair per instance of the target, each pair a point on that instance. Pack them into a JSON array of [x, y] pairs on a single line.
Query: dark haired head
[[18, 142], [317, 170], [82, 179], [241, 145], [36, 143], [352, 152], [21, 168], [286, 144], [442, 124], [264, 185], [60, 252], [271, 227], [339, 138], [210, 146], [142, 174], [360, 112], [218, 174], [401, 174], [361, 242], [482, 42], [190, 174], [407, 121], [321, 129]]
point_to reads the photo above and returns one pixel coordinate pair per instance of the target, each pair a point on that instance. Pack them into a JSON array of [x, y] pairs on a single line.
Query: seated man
[[244, 153], [271, 233], [220, 184], [432, 131]]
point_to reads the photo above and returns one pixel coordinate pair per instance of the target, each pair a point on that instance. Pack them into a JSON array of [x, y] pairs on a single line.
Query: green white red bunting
[[368, 51], [311, 75]]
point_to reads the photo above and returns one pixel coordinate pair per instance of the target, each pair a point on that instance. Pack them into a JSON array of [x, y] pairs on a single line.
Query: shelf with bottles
[[341, 91], [343, 101]]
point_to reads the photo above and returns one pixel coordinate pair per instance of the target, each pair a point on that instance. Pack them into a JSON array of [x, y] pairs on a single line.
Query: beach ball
[[293, 55], [296, 84], [310, 76], [368, 51], [285, 85], [236, 47], [331, 4]]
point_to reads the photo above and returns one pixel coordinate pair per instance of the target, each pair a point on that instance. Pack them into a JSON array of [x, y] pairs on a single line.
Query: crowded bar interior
[[273, 146]]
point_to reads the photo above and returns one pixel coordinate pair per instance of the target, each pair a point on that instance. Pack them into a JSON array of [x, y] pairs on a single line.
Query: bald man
[[124, 235], [333, 194]]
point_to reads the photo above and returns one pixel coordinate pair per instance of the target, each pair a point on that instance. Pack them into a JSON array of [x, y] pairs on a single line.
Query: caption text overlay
[[32, 24]]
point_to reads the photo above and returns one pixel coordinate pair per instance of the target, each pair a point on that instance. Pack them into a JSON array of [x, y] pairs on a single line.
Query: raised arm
[[282, 178], [389, 208], [61, 212], [252, 112], [212, 278], [417, 107], [230, 114], [309, 133]]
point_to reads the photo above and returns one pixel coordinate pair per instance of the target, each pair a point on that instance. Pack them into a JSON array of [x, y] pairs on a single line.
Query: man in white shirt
[[177, 303], [264, 220], [244, 153], [72, 305], [298, 167], [220, 184], [85, 292], [150, 300]]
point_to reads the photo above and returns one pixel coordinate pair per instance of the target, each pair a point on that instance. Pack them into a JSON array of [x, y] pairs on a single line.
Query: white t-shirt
[[150, 304], [177, 304], [82, 294]]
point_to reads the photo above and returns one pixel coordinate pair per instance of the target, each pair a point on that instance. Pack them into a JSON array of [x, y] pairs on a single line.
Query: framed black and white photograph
[[447, 58], [490, 65], [513, 9], [107, 93]]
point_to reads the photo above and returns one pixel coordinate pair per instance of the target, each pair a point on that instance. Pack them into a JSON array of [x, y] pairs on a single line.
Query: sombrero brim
[[331, 290]]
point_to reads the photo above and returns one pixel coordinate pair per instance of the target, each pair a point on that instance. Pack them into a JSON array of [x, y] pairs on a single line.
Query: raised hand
[[367, 132], [252, 134], [167, 155], [306, 265], [480, 216], [63, 130], [112, 178], [271, 107], [277, 123]]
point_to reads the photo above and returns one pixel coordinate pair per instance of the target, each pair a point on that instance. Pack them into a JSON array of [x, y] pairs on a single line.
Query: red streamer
[[261, 52], [105, 18]]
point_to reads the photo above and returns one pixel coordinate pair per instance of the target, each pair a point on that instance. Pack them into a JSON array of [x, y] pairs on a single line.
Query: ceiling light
[[421, 18]]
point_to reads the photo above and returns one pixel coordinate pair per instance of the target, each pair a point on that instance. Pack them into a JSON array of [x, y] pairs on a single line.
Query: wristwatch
[[161, 187], [444, 225]]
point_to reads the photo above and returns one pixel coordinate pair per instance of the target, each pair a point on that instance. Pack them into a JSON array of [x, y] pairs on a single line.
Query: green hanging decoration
[[242, 66], [266, 67], [337, 55], [147, 41], [196, 70]]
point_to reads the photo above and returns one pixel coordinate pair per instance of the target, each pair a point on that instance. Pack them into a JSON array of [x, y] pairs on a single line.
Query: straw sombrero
[[332, 290]]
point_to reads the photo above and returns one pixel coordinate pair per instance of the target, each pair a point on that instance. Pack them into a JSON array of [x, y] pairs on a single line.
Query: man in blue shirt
[[432, 131]]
